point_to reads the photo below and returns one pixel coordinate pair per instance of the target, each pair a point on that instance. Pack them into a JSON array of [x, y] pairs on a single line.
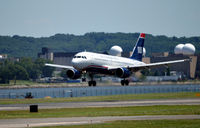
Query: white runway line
[[104, 104], [35, 122]]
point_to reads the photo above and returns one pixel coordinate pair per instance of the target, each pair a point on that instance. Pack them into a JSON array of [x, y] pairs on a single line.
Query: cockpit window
[[84, 57]]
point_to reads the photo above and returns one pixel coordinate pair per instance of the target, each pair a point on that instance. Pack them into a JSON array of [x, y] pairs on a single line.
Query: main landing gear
[[124, 82], [92, 82]]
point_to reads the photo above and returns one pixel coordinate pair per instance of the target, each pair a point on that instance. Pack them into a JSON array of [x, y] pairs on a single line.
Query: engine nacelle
[[73, 74], [122, 72]]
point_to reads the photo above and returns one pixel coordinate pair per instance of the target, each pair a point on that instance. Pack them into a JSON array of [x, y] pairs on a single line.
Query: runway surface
[[33, 122], [19, 123], [104, 104]]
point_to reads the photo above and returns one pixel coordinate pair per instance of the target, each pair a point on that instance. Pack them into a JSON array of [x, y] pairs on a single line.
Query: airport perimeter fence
[[94, 91]]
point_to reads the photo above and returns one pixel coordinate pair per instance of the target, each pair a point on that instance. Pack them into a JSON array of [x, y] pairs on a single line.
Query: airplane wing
[[59, 66], [151, 65]]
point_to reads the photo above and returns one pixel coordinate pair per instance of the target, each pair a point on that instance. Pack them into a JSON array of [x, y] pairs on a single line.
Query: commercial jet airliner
[[95, 63]]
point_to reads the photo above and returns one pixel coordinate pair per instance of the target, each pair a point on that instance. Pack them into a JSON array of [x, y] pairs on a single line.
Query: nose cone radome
[[74, 62], [77, 63]]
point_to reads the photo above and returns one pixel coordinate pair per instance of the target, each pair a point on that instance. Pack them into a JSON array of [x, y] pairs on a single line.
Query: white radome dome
[[188, 49], [144, 51], [115, 50], [179, 49]]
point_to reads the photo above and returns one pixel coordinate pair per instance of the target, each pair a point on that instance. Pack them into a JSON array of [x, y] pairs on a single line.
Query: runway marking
[[61, 123], [103, 104], [19, 123]]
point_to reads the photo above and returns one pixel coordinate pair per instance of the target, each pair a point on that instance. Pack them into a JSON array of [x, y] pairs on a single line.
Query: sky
[[43, 18]]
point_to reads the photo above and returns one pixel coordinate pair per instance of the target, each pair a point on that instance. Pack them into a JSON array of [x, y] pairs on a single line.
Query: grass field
[[181, 95], [19, 82], [139, 124], [105, 111]]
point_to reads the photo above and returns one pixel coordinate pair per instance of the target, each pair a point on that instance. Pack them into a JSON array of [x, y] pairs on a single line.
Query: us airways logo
[[139, 50]]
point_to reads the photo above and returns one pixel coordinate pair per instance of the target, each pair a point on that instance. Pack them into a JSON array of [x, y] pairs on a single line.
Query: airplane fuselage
[[95, 62]]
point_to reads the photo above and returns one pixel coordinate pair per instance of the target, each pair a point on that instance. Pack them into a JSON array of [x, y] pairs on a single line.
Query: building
[[3, 56], [187, 68], [62, 58]]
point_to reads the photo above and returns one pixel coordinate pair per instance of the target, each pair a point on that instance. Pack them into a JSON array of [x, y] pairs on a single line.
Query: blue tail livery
[[138, 49]]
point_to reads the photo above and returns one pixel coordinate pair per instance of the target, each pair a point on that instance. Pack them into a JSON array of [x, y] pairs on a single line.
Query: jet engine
[[122, 72], [73, 74]]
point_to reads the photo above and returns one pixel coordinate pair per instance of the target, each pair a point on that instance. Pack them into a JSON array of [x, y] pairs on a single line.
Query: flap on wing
[[59, 66]]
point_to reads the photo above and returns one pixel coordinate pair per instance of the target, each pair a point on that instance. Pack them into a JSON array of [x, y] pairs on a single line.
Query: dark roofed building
[[62, 58], [189, 68]]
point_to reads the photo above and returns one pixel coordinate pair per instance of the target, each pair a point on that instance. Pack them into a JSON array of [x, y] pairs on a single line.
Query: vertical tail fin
[[138, 49]]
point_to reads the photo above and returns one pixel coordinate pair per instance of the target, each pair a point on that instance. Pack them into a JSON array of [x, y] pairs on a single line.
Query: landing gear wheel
[[92, 83], [124, 82]]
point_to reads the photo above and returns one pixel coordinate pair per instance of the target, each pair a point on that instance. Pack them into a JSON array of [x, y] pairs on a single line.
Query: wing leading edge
[[160, 63], [59, 66], [151, 65]]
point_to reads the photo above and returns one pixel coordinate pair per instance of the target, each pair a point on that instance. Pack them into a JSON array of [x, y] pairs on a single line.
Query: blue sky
[[47, 17]]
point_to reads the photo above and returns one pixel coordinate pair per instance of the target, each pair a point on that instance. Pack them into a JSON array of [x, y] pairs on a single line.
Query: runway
[[20, 123], [104, 104], [34, 122]]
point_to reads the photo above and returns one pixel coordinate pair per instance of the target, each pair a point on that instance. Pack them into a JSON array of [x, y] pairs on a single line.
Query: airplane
[[122, 67]]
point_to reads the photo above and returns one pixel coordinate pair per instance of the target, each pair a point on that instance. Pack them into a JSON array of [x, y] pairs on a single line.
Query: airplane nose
[[75, 63]]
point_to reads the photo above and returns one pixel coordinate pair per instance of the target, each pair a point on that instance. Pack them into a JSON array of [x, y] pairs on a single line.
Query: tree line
[[21, 46], [24, 69]]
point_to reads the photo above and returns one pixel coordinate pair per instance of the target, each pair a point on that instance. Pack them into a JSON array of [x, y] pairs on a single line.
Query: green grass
[[181, 95], [22, 82], [105, 111], [19, 82], [139, 124]]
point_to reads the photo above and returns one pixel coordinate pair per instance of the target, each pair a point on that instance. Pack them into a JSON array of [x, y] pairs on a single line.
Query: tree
[[63, 73], [29, 46], [20, 73], [31, 68], [168, 71], [4, 75], [7, 71], [46, 71]]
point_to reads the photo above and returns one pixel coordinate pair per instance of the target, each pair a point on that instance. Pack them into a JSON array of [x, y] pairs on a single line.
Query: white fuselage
[[83, 60]]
